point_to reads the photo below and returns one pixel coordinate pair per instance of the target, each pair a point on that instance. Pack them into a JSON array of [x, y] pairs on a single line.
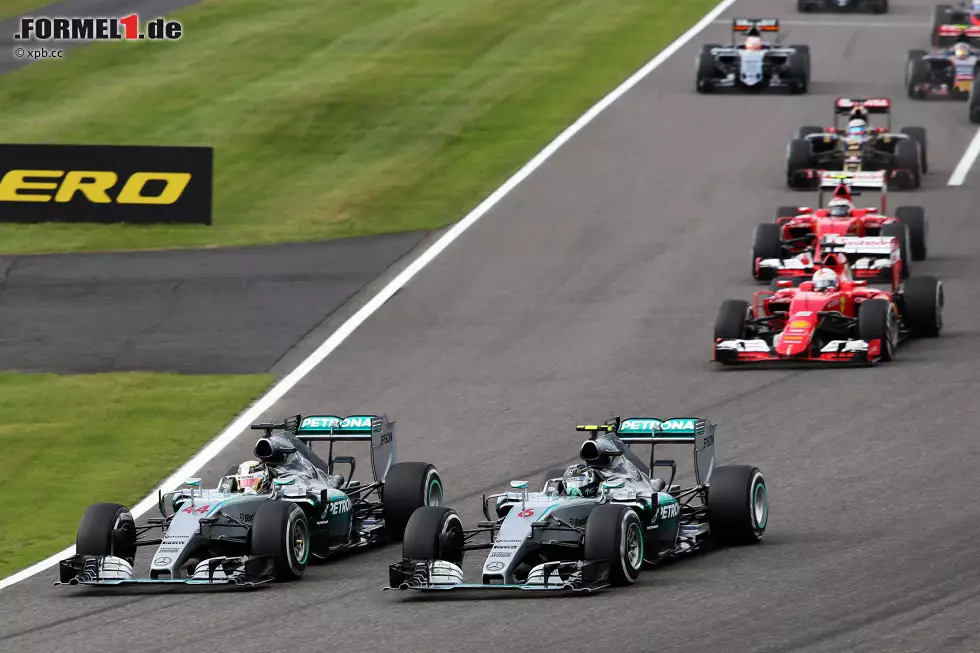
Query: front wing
[[246, 571], [757, 350], [810, 177], [441, 576]]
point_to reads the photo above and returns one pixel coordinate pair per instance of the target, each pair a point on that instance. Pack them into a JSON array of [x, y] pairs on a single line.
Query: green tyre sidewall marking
[[433, 481]]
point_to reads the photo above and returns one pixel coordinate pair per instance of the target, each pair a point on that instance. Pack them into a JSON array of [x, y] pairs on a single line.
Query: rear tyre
[[901, 232], [797, 158], [766, 244], [107, 529], [908, 157], [799, 73], [706, 69], [730, 321], [939, 18], [280, 530], [875, 323], [914, 217], [918, 134], [787, 212], [614, 534], [804, 52], [973, 105], [738, 505], [879, 6], [808, 130], [434, 533], [408, 487], [924, 300]]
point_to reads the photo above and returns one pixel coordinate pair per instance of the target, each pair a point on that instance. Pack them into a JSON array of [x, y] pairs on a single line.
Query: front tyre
[[875, 323], [614, 534], [434, 533], [107, 529], [408, 487], [738, 505], [280, 530]]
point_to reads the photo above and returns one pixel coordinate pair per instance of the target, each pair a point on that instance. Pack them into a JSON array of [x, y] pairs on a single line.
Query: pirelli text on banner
[[105, 184]]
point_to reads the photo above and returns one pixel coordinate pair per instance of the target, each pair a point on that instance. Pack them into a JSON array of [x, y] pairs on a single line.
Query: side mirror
[[519, 485], [862, 282], [784, 283], [193, 482], [613, 484], [805, 209]]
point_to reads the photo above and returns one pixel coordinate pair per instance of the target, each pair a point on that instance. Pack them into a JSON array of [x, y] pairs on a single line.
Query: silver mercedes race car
[[267, 524], [754, 64], [596, 523]]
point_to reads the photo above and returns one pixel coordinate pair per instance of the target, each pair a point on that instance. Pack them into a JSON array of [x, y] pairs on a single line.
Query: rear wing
[[373, 429], [869, 258], [696, 431], [845, 106], [874, 180], [754, 27], [967, 31]]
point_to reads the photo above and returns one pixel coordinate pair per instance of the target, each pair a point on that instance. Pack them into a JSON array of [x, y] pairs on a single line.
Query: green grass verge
[[69, 441], [333, 118], [10, 8]]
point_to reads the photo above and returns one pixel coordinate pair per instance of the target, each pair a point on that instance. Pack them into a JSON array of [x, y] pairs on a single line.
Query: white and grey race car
[[753, 65], [595, 524]]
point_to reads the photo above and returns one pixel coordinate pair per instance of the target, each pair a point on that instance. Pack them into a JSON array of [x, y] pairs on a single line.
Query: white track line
[[264, 403], [963, 167]]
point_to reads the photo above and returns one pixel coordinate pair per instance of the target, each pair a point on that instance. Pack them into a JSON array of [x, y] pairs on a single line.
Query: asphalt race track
[[591, 291], [233, 310]]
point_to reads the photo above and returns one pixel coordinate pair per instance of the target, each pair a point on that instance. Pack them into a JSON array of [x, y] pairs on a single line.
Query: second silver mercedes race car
[[595, 524]]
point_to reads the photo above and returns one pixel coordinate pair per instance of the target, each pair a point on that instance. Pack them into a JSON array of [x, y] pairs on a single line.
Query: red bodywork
[[862, 223], [794, 314]]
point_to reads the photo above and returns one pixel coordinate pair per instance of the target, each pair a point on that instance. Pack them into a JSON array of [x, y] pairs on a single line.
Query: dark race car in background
[[872, 6], [815, 149], [853, 324], [941, 74], [563, 539], [770, 66], [230, 536], [876, 245], [950, 22]]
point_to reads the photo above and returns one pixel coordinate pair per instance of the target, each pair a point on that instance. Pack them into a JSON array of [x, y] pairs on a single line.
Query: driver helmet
[[961, 50], [857, 128], [825, 280], [839, 208], [252, 477], [975, 6], [753, 43], [580, 481]]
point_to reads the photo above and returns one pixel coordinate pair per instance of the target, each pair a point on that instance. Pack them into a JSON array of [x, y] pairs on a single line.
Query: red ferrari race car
[[832, 318], [877, 246]]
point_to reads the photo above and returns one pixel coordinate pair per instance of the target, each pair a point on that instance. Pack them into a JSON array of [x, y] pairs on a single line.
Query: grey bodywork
[[535, 537], [206, 531], [774, 66]]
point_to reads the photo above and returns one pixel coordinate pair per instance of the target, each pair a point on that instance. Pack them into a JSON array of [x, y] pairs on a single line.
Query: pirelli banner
[[105, 183]]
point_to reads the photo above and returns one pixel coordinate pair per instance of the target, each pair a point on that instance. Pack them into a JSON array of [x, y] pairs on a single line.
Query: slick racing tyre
[[914, 217], [797, 158], [878, 6], [876, 322], [730, 321], [280, 530], [434, 533], [107, 529], [808, 130], [916, 73], [614, 534], [787, 212], [918, 134], [973, 104], [706, 69], [908, 157], [804, 52], [799, 73], [738, 505], [939, 17], [924, 300], [766, 244], [407, 487], [901, 232]]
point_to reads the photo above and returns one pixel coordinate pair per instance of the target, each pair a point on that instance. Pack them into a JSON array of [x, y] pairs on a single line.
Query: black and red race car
[[877, 246], [950, 22], [854, 145], [847, 323]]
